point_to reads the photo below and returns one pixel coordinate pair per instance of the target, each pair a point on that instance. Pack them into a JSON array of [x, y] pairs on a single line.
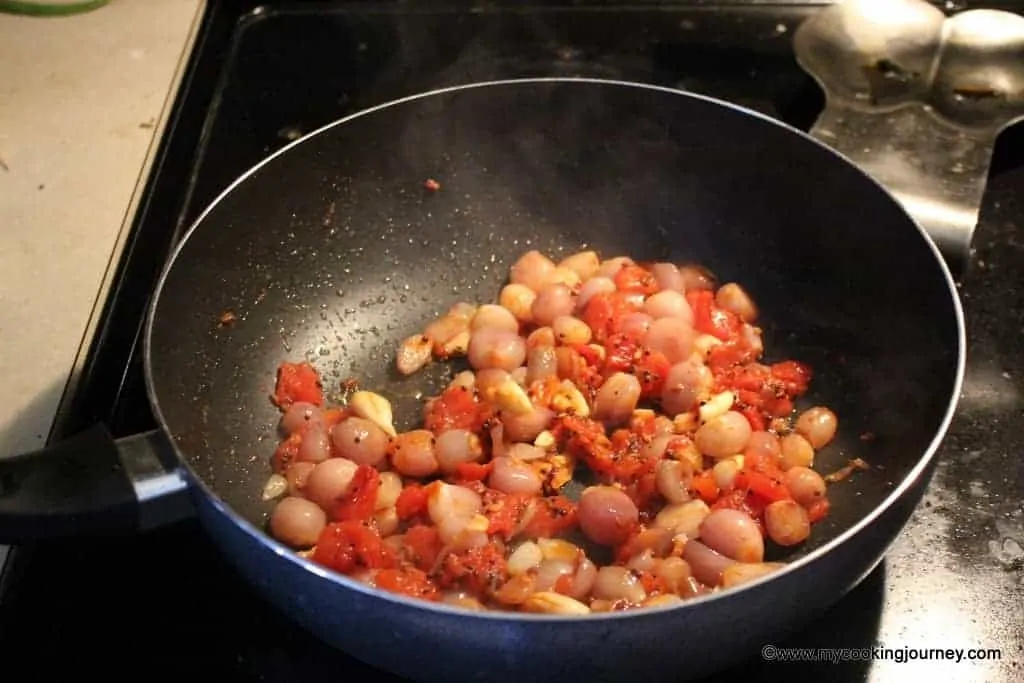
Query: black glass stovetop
[[168, 604]]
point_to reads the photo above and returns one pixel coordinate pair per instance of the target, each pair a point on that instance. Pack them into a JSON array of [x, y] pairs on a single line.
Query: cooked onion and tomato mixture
[[643, 380]]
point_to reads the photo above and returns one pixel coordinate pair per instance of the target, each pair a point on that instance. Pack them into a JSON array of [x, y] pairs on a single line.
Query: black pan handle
[[90, 484]]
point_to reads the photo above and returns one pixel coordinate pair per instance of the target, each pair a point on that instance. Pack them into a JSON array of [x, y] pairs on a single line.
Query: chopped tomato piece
[[748, 378], [643, 425], [633, 278], [755, 508], [794, 376], [598, 315], [505, 513], [604, 310], [422, 545], [767, 485], [589, 354], [703, 484], [551, 516], [621, 353], [358, 504], [756, 461], [456, 408], [748, 398], [778, 407], [582, 433], [766, 391], [742, 500], [579, 364], [297, 382], [412, 501], [480, 570], [761, 481], [651, 370], [472, 471], [710, 319], [729, 354], [724, 324], [755, 418], [344, 546], [735, 499], [621, 457], [287, 451], [408, 581]]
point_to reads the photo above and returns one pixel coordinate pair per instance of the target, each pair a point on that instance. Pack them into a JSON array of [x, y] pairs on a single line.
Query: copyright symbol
[[769, 653]]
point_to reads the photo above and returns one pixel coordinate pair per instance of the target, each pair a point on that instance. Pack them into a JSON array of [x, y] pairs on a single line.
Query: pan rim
[[260, 536]]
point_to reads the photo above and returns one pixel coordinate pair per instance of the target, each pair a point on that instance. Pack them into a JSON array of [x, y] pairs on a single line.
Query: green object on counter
[[49, 9]]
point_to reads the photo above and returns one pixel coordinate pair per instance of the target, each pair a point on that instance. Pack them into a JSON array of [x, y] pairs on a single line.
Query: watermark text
[[879, 653]]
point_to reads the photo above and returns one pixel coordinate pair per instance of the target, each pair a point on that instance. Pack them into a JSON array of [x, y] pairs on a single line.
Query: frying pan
[[332, 251]]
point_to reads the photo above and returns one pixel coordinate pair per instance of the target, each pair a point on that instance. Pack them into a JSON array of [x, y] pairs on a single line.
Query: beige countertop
[[82, 101]]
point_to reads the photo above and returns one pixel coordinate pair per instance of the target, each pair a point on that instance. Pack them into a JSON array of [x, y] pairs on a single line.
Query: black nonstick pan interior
[[334, 250]]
